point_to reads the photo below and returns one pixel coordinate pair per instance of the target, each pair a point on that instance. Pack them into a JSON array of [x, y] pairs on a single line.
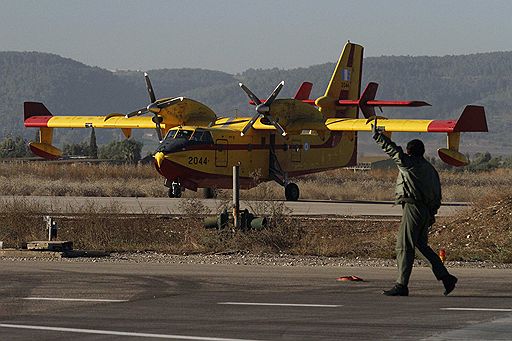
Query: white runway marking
[[477, 309], [73, 299], [283, 304], [112, 332]]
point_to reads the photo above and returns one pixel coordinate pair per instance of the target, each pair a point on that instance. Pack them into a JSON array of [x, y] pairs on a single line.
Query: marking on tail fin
[[345, 74]]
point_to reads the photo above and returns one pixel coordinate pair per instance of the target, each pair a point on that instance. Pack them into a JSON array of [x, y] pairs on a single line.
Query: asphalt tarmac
[[130, 205], [124, 301]]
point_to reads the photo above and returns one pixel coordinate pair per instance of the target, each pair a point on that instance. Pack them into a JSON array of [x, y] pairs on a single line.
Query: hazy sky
[[236, 35]]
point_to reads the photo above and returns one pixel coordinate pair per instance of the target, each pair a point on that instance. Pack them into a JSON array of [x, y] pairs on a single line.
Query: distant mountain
[[448, 83]]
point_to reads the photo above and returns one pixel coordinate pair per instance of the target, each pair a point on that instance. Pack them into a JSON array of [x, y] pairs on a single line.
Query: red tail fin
[[368, 95], [304, 91], [35, 109]]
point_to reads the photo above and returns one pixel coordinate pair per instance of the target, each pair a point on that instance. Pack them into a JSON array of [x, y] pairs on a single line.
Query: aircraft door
[[221, 153], [296, 150]]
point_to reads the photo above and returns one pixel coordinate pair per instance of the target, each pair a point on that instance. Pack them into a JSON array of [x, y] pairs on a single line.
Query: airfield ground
[[477, 233], [480, 233], [120, 301], [50, 179], [169, 278]]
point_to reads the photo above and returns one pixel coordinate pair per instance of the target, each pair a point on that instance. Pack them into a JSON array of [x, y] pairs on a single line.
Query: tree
[[127, 150], [93, 146], [13, 147], [76, 149]]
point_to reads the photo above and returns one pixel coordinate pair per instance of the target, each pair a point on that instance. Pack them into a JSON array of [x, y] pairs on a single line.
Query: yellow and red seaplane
[[284, 139]]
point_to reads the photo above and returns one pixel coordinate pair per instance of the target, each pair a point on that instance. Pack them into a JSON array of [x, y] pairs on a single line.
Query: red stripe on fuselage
[[192, 179], [37, 121]]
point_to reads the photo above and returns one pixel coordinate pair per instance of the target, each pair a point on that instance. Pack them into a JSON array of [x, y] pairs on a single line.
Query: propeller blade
[[169, 102], [157, 120], [277, 125], [250, 94], [151, 93], [274, 94], [159, 133], [153, 107], [136, 113], [249, 124]]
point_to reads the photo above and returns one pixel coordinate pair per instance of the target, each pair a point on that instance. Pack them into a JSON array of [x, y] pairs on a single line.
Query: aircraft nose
[[159, 157]]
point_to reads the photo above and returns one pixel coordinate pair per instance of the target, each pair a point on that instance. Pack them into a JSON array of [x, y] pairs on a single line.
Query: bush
[[126, 150]]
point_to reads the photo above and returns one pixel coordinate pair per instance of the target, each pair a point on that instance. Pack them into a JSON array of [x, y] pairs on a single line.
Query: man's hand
[[375, 129]]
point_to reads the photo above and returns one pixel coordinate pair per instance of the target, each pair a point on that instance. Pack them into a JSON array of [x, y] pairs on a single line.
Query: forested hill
[[448, 83]]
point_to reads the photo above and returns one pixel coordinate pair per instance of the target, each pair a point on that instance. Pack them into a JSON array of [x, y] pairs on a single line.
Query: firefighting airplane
[[284, 139]]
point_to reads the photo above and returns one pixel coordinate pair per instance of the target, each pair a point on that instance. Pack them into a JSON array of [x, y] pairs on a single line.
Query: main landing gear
[[291, 192], [208, 193]]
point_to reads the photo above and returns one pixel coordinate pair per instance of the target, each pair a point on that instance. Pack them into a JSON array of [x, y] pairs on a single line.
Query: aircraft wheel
[[291, 192], [175, 191], [208, 193]]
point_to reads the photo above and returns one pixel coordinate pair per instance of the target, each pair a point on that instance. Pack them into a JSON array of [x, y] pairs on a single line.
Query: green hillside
[[448, 83]]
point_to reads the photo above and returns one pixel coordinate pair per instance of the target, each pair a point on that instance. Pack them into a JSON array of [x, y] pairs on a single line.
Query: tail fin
[[304, 91], [31, 109], [345, 83], [368, 95]]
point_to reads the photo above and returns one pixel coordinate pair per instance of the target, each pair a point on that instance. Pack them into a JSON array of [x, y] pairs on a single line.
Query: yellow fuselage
[[209, 163]]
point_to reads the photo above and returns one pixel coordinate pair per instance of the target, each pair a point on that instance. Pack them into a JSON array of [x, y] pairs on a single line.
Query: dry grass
[[46, 178], [483, 232], [95, 228]]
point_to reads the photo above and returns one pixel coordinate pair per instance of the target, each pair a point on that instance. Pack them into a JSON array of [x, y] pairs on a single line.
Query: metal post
[[236, 196], [51, 227]]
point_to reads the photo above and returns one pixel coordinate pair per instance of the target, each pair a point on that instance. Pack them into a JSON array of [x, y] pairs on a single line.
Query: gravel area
[[240, 258]]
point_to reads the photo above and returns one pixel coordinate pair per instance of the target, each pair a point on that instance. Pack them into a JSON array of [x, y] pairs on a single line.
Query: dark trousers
[[413, 234]]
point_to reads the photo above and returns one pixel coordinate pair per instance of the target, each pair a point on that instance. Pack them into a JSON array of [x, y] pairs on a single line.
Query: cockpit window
[[170, 134], [183, 134], [198, 135], [201, 135]]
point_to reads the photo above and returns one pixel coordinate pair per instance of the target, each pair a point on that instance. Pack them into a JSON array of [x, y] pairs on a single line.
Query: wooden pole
[[236, 196]]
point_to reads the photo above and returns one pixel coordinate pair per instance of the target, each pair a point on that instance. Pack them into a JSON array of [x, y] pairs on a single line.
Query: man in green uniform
[[418, 190]]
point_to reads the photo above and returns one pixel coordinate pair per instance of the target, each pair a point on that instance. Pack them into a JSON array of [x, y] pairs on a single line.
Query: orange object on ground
[[442, 254], [349, 278]]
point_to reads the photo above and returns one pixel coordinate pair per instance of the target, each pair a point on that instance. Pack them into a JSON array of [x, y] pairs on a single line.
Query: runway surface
[[175, 206], [124, 301]]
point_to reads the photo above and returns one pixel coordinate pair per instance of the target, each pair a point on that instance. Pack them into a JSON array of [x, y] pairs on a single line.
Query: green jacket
[[418, 181]]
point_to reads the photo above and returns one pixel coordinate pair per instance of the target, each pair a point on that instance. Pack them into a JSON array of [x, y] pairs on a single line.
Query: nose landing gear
[[175, 189]]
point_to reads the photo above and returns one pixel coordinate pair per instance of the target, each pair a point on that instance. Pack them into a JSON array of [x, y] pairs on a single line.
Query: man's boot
[[397, 290], [449, 282]]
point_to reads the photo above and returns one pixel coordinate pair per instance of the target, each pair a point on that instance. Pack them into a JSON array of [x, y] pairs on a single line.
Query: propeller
[[154, 107], [263, 108]]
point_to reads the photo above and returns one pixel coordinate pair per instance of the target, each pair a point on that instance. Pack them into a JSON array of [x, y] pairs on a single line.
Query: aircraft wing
[[109, 121], [173, 112], [472, 119], [292, 114]]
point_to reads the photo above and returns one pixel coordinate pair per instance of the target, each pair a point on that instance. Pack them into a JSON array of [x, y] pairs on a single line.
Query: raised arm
[[395, 152]]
